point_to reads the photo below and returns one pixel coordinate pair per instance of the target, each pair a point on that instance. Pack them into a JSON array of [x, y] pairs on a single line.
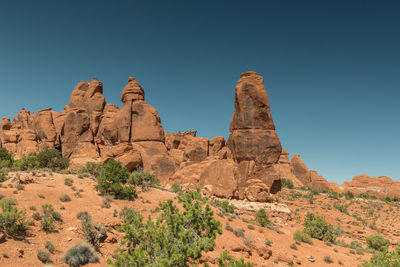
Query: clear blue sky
[[331, 68]]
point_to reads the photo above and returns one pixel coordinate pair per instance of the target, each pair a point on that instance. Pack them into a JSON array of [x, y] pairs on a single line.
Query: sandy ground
[[48, 187]]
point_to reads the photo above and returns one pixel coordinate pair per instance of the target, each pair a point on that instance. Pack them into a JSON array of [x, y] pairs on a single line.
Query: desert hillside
[[270, 241]]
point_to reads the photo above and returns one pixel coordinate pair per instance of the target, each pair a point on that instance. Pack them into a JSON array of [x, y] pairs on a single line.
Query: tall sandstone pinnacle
[[253, 141]]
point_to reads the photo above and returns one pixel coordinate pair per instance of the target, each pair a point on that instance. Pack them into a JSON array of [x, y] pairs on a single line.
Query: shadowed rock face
[[246, 166]]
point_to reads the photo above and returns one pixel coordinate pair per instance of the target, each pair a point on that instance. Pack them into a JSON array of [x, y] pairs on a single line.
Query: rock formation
[[309, 178], [381, 186], [249, 165], [253, 141], [286, 169], [135, 129]]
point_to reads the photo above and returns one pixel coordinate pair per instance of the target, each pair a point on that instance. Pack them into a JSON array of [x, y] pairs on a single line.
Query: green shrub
[[341, 208], [65, 198], [82, 215], [52, 159], [333, 195], [355, 244], [176, 188], [143, 179], [3, 174], [49, 217], [93, 233], [107, 201], [80, 254], [225, 260], [68, 181], [386, 259], [377, 242], [20, 187], [286, 183], [175, 238], [328, 259], [6, 158], [318, 228], [47, 223], [293, 246], [27, 162], [50, 247], [224, 206], [228, 227], [300, 236], [262, 218], [366, 196], [12, 221], [43, 256], [47, 158], [90, 168], [36, 216], [239, 232], [348, 195], [310, 197], [249, 241], [112, 180]]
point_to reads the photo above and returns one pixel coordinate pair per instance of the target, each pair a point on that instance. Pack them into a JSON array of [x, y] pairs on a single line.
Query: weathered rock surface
[[381, 186], [309, 178], [286, 169], [249, 165], [301, 170], [253, 141], [129, 156]]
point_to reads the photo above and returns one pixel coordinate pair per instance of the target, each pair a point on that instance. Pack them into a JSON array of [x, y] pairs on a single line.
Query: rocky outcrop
[[79, 122], [381, 186], [301, 170], [45, 130], [8, 136], [137, 124], [309, 178], [286, 169], [253, 141], [248, 165]]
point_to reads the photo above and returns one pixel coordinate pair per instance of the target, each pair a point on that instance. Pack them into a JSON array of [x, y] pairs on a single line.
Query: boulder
[[156, 159], [146, 124], [125, 153]]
